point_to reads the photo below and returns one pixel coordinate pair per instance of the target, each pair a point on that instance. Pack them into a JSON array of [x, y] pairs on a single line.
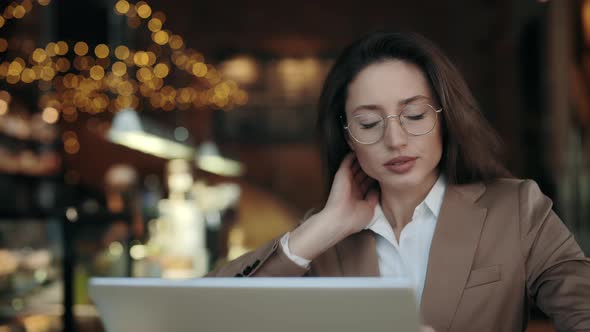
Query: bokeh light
[[96, 73], [61, 48], [81, 48], [155, 25], [3, 107], [50, 115], [143, 9], [119, 68], [101, 51], [160, 37], [122, 7]]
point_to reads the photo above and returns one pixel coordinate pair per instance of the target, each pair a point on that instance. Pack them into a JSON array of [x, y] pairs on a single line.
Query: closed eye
[[369, 125], [415, 117]]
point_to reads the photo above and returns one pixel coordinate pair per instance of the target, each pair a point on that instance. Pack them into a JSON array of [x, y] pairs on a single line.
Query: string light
[[89, 90]]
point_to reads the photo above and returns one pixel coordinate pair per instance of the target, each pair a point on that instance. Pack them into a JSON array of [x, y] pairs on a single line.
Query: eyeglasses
[[368, 127]]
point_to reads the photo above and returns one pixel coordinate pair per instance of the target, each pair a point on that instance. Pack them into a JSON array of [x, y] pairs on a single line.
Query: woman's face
[[398, 161]]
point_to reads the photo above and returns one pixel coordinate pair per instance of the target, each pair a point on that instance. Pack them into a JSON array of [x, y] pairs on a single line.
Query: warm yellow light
[[161, 70], [4, 69], [39, 55], [28, 5], [61, 48], [184, 95], [3, 107], [81, 48], [2, 21], [141, 58], [243, 69], [5, 95], [144, 74], [143, 9], [50, 115], [119, 68], [586, 20], [47, 74], [44, 2], [155, 25], [160, 37], [151, 58], [71, 145], [96, 73], [12, 79], [19, 11], [160, 16], [156, 83], [15, 68], [28, 75], [222, 90], [50, 49], [125, 88], [63, 65], [199, 69], [122, 7], [68, 135], [86, 62], [101, 51], [176, 42], [122, 52]]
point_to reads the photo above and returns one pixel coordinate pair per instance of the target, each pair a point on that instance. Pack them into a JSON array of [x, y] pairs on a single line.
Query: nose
[[394, 136]]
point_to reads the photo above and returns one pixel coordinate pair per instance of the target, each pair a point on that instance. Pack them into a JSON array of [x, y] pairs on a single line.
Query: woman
[[418, 191]]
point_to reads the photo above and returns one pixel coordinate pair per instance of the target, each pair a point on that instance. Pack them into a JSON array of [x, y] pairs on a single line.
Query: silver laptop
[[256, 304]]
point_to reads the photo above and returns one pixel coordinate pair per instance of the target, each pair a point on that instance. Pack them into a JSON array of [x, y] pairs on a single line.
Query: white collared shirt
[[407, 259]]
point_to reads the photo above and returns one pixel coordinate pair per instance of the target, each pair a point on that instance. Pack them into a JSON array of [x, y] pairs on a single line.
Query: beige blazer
[[496, 249]]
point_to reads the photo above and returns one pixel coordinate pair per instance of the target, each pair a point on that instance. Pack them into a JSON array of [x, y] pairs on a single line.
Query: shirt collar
[[433, 202]]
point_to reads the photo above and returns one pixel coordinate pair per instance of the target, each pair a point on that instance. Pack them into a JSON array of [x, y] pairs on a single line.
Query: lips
[[400, 165]]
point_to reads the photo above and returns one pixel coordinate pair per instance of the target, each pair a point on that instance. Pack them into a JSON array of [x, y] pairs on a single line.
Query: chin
[[404, 181]]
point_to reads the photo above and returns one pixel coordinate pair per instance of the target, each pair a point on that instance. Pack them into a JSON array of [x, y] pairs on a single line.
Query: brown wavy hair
[[471, 148]]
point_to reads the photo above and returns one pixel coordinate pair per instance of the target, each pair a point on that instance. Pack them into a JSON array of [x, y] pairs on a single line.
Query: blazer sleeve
[[557, 272], [267, 261]]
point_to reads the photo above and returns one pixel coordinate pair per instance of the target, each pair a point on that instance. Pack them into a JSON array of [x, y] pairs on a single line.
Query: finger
[[346, 164]]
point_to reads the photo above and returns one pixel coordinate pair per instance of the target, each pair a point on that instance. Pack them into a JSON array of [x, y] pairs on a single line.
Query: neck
[[399, 204]]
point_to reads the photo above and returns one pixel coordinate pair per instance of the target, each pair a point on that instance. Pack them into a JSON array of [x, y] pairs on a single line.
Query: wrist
[[317, 234]]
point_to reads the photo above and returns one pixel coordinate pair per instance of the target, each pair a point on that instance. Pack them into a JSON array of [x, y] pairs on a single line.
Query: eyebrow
[[374, 107]]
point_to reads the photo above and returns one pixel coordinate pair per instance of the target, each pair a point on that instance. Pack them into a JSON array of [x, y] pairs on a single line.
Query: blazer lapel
[[358, 255], [452, 251]]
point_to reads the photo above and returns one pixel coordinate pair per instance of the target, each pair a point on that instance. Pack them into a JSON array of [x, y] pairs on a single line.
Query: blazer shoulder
[[504, 186], [507, 191]]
